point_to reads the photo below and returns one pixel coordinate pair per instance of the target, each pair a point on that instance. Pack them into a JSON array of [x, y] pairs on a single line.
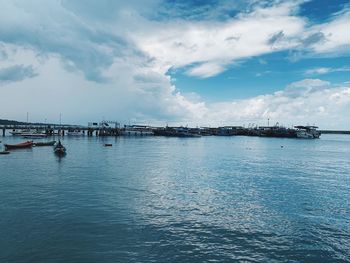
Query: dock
[[113, 128], [62, 130]]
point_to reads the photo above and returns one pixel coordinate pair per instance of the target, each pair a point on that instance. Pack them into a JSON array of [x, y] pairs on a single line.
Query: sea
[[159, 199]]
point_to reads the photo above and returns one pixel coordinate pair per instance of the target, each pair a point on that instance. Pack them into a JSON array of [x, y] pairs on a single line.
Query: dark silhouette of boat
[[177, 132], [23, 145], [4, 152], [51, 143], [59, 149]]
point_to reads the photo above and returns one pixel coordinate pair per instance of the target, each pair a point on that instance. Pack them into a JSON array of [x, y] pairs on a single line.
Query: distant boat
[[51, 143], [136, 130], [19, 133], [29, 133], [34, 135], [177, 132], [307, 132], [4, 152], [22, 145], [59, 149]]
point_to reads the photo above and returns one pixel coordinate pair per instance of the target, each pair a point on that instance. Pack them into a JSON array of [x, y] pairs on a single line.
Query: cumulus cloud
[[210, 46], [310, 101], [139, 93], [16, 73], [114, 56]]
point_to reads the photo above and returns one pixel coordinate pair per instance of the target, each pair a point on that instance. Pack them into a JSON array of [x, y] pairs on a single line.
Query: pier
[[62, 130], [113, 129]]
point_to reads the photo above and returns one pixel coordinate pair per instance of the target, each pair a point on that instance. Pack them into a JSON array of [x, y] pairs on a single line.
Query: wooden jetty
[[112, 128], [101, 129]]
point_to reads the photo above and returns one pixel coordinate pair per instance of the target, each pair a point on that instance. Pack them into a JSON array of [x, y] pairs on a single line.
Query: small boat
[[307, 132], [19, 133], [4, 152], [59, 149], [27, 144], [36, 135], [136, 130], [108, 144], [51, 143]]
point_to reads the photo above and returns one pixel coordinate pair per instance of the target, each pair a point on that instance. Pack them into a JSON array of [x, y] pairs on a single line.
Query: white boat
[[136, 130], [19, 133], [307, 132], [29, 133], [35, 134]]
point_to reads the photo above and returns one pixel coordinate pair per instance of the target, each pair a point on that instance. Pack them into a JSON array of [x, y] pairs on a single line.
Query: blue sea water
[[157, 199]]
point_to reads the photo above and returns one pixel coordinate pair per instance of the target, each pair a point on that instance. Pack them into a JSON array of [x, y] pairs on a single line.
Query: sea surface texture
[[158, 199]]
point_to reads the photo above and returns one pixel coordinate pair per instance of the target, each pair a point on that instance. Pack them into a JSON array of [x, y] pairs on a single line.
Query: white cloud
[[312, 101], [336, 35], [113, 63], [318, 71], [216, 44], [321, 71], [206, 70], [139, 93]]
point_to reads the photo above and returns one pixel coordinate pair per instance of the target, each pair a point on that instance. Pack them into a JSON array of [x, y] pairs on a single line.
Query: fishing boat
[[177, 132], [59, 149], [35, 134], [51, 143], [136, 130], [23, 145], [19, 132], [307, 132]]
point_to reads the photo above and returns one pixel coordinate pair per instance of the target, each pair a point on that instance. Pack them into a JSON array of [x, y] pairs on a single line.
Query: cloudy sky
[[199, 62]]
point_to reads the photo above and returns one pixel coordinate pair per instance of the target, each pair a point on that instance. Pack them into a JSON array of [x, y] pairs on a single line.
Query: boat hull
[[23, 145], [60, 151], [38, 144]]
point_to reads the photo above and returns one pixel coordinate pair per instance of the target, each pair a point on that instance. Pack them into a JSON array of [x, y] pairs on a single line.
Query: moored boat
[[136, 130], [177, 132], [51, 143], [35, 134], [4, 152], [19, 133], [307, 132], [23, 145]]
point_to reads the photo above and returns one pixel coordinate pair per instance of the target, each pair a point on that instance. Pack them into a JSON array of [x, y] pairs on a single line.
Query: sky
[[176, 62]]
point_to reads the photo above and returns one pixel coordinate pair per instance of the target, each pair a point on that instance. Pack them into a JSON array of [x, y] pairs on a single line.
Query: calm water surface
[[156, 199]]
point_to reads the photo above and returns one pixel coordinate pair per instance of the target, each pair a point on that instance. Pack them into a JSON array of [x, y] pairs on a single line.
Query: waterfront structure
[[107, 129]]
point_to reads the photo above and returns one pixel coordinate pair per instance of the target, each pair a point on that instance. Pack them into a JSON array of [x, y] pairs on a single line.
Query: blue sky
[[182, 62]]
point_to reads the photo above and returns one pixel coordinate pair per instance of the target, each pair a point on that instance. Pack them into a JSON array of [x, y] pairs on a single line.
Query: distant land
[[12, 122]]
